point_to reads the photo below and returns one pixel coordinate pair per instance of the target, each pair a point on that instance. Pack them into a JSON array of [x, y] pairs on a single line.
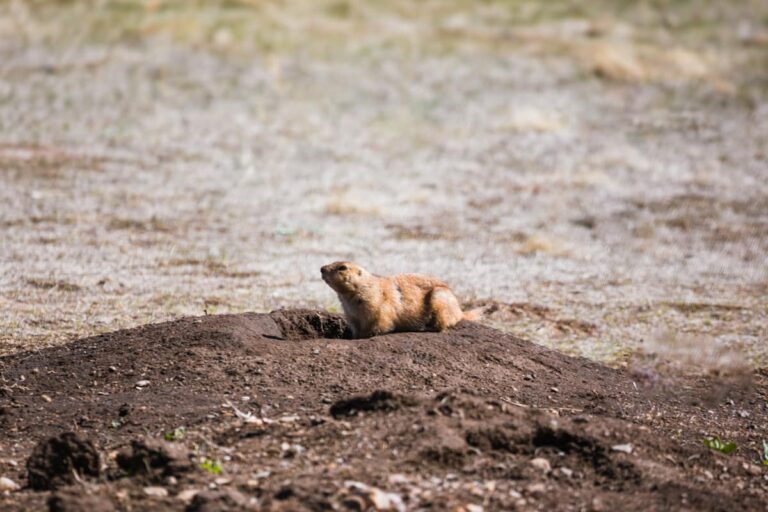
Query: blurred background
[[592, 173]]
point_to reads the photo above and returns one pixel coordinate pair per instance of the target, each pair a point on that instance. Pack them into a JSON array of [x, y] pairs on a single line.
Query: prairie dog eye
[[342, 268]]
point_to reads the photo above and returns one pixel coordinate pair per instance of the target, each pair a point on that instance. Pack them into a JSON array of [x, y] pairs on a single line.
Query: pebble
[[624, 448], [156, 492], [378, 499], [6, 484], [187, 495], [386, 500], [541, 464], [46, 398], [567, 472], [752, 469], [142, 383]]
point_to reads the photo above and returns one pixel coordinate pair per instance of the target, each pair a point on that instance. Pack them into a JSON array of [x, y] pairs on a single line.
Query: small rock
[[292, 450], [6, 484], [515, 494], [142, 383], [541, 464], [580, 419], [223, 480], [187, 495], [473, 508], [753, 469], [386, 500], [554, 390], [624, 448], [155, 492], [373, 497], [171, 480], [46, 398], [709, 474], [566, 472], [112, 369], [529, 376]]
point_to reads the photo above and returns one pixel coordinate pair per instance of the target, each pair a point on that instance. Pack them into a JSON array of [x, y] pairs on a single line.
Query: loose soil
[[281, 412]]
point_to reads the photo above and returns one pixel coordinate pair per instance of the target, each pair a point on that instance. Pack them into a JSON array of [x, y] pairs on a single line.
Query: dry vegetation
[[594, 173]]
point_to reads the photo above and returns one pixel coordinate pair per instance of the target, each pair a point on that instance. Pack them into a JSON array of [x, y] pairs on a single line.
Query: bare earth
[[593, 175], [280, 412]]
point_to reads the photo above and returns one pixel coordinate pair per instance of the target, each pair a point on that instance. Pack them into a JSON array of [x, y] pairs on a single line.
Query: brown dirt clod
[[62, 460], [154, 459]]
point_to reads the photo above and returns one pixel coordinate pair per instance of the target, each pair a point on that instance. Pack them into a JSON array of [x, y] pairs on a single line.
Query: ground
[[280, 412], [592, 175]]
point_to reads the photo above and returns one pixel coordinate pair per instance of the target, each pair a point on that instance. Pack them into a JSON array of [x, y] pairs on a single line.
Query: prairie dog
[[404, 302]]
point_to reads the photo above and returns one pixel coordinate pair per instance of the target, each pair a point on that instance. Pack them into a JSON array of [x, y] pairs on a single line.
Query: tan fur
[[405, 302]]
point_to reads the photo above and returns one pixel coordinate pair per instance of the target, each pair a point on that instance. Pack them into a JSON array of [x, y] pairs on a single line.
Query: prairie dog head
[[343, 276]]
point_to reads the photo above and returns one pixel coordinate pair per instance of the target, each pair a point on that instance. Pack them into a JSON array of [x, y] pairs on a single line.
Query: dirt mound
[[62, 460], [283, 411]]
